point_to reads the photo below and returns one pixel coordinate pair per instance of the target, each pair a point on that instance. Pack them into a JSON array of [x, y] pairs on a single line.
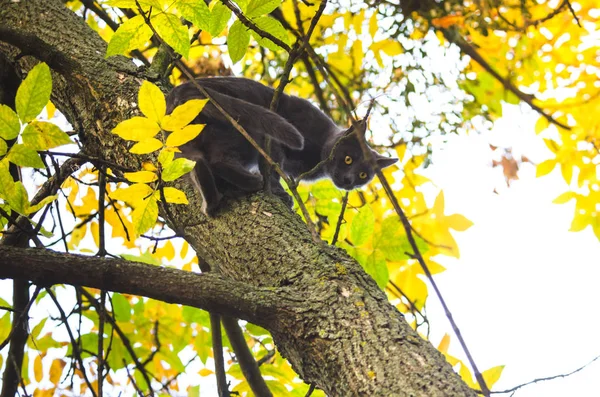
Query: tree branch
[[469, 50], [204, 291]]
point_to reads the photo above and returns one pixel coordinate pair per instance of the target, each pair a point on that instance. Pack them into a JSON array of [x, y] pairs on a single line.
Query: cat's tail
[[255, 119]]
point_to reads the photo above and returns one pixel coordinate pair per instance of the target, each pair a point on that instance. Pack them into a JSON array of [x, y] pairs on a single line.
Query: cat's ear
[[384, 162]]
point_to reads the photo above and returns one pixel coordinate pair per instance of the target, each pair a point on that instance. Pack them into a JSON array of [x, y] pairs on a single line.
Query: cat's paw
[[209, 207]]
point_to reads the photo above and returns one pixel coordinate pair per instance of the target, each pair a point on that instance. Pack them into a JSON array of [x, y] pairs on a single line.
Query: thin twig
[[340, 219], [18, 320], [251, 25], [546, 378], [76, 350]]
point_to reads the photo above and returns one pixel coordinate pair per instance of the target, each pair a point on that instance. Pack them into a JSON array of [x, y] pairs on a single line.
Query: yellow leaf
[[465, 374], [56, 370], [373, 25], [580, 222], [132, 194], [184, 249], [567, 172], [458, 222], [391, 47], [175, 196], [447, 21], [357, 21], [167, 251], [541, 125], [444, 344], [95, 229], [357, 56], [149, 166], [151, 101], [205, 372], [183, 114], [136, 129], [492, 375], [545, 167], [38, 368], [563, 198], [141, 176], [184, 135], [400, 151], [50, 109], [551, 145], [146, 146]]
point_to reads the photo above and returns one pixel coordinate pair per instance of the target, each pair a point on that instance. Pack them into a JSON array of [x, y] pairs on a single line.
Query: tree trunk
[[335, 325]]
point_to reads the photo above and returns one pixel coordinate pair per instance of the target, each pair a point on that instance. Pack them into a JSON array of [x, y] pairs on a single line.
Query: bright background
[[525, 290]]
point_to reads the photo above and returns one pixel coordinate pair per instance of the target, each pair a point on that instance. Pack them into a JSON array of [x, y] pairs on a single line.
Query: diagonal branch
[[469, 50]]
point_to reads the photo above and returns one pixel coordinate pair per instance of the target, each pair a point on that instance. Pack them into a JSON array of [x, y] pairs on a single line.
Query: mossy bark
[[337, 330]]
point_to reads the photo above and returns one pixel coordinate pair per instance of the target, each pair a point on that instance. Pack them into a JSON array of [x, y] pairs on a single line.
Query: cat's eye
[[363, 175], [348, 160]]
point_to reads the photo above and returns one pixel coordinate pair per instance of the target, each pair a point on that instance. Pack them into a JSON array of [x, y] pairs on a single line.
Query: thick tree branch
[[204, 291]]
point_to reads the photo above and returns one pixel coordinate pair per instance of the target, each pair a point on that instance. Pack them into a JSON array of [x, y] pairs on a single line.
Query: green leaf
[[172, 359], [256, 330], [177, 168], [34, 93], [393, 243], [362, 226], [16, 196], [146, 258], [219, 16], [145, 215], [193, 315], [41, 135], [257, 8], [25, 157], [6, 180], [376, 267], [45, 201], [273, 27], [9, 123], [152, 102], [173, 32], [197, 12], [3, 147], [130, 35], [121, 307], [237, 41], [165, 157]]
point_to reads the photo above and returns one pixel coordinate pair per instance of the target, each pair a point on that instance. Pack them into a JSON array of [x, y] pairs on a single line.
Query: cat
[[302, 136]]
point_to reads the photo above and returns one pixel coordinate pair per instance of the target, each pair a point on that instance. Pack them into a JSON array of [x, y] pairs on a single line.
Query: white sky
[[524, 291]]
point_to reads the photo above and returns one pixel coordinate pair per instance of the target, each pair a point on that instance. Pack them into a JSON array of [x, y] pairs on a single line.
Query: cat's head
[[348, 168]]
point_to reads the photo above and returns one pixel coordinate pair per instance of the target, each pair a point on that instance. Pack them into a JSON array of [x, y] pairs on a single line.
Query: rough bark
[[327, 316]]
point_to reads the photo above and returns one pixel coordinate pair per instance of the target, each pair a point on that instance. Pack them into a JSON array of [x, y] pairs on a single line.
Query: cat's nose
[[347, 181]]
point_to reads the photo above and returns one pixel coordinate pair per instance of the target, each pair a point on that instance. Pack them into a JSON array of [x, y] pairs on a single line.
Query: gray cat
[[301, 135]]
